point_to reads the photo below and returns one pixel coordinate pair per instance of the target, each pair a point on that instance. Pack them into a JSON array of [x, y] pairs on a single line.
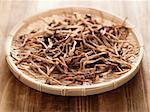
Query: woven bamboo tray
[[72, 90]]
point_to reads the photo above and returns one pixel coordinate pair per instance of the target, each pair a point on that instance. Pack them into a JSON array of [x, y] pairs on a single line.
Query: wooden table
[[134, 96]]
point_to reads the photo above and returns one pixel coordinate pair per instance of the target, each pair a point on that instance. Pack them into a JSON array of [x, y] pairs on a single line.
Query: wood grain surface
[[133, 96]]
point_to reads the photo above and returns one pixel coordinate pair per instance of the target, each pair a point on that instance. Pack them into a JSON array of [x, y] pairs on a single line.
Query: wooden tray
[[72, 90]]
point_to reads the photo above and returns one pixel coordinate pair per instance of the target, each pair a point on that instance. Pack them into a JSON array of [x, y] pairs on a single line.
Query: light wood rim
[[71, 90]]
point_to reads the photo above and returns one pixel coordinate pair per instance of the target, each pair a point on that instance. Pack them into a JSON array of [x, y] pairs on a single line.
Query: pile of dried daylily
[[75, 50]]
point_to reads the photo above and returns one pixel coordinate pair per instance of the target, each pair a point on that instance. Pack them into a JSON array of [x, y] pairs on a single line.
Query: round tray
[[72, 90]]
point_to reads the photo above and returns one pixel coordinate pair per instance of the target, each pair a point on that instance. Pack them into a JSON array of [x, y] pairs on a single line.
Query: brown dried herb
[[77, 50]]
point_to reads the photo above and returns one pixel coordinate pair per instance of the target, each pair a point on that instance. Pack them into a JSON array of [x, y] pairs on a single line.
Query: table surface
[[133, 96]]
